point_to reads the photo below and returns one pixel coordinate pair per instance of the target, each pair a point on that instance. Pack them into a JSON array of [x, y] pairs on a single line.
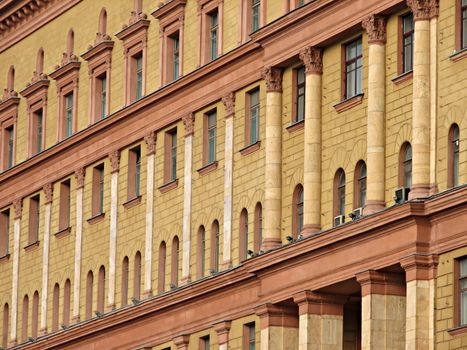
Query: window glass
[[214, 27], [408, 166], [255, 13], [254, 116], [212, 123], [353, 68], [68, 115], [407, 37], [463, 290], [139, 77], [103, 103], [300, 94]]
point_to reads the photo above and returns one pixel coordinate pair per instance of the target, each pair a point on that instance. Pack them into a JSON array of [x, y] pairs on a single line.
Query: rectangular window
[[299, 114], [210, 137], [98, 190], [139, 76], [252, 121], [353, 68], [407, 43], [255, 14], [174, 54], [214, 27], [9, 147], [37, 131], [170, 156], [64, 218], [68, 115], [204, 343], [134, 172], [101, 97], [462, 287], [4, 232], [249, 336], [34, 219], [463, 26]]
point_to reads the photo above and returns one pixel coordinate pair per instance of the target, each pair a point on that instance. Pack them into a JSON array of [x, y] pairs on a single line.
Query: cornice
[[167, 8], [138, 22], [102, 46], [41, 83]]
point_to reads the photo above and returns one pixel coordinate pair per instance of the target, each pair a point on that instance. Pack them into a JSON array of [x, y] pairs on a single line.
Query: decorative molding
[[424, 9], [250, 148], [79, 175], [150, 140], [136, 23], [222, 329], [420, 267], [348, 103], [207, 168], [296, 126], [96, 218], [273, 78], [229, 103], [189, 123], [63, 233], [402, 78], [375, 27], [69, 64], [132, 202], [32, 246], [114, 158], [18, 207], [312, 58], [48, 191], [168, 186], [167, 8]]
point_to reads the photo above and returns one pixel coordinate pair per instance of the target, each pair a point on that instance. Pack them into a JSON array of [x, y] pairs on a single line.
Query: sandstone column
[[279, 327], [375, 27], [182, 341], [48, 191], [433, 96], [383, 310], [229, 103], [421, 99], [114, 158], [189, 122], [312, 58], [420, 273], [150, 140], [79, 175], [321, 324], [222, 329], [273, 166], [18, 207]]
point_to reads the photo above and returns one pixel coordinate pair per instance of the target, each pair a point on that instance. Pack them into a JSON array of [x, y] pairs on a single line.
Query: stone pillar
[[273, 163], [79, 175], [321, 321], [312, 58], [48, 191], [421, 99], [433, 96], [420, 273], [279, 327], [229, 103], [189, 122], [150, 140], [375, 27], [114, 158], [18, 208], [182, 341], [383, 310], [222, 329]]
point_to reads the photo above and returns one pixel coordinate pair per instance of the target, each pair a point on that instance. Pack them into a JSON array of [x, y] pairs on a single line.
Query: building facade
[[233, 174]]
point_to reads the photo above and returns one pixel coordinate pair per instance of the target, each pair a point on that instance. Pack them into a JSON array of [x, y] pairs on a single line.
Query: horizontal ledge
[[348, 103], [296, 125], [63, 232], [168, 186], [6, 257], [208, 168], [251, 148], [401, 78], [32, 246], [458, 55], [132, 202], [96, 218]]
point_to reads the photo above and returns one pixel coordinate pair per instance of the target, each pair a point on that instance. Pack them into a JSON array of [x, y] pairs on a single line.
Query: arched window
[[161, 274], [360, 185], [124, 295], [103, 21], [215, 246], [258, 234], [70, 42], [137, 277], [40, 61], [453, 156], [24, 319], [405, 166], [201, 256], [35, 314], [101, 290], [174, 267], [11, 79], [297, 211], [89, 292], [339, 193], [5, 329], [66, 302], [55, 307], [243, 249]]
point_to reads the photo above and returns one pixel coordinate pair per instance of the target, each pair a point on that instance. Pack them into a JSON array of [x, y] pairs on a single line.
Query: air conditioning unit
[[401, 194], [339, 220], [356, 214]]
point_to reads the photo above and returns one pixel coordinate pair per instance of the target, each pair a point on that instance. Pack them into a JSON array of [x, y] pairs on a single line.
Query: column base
[[185, 280], [419, 191], [433, 189], [310, 230], [147, 294], [109, 308], [75, 319], [373, 206], [271, 243], [227, 264], [42, 332]]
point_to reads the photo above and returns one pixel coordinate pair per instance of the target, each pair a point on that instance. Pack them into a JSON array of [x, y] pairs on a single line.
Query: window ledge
[[208, 168], [168, 186], [348, 103], [132, 202], [458, 330], [458, 55], [32, 246], [96, 218], [401, 78], [63, 232], [295, 126], [4, 258], [251, 148]]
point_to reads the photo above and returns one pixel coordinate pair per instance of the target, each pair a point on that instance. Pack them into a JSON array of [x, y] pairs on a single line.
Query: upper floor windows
[[4, 232], [407, 38], [297, 211], [161, 268], [405, 166], [101, 96], [453, 156], [215, 246], [98, 190], [204, 343], [134, 173], [68, 124], [339, 194], [258, 238], [170, 168], [360, 185], [244, 234], [174, 263], [252, 117], [138, 65], [201, 254], [64, 217], [255, 14], [461, 297], [37, 127], [249, 336], [174, 54], [8, 146], [214, 35], [34, 219], [299, 95], [462, 25], [353, 68], [210, 132]]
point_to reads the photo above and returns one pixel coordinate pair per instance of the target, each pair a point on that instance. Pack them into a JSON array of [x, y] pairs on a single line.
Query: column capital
[[79, 175], [375, 26], [18, 207], [150, 140], [420, 267], [319, 303], [48, 191], [189, 123], [312, 58], [424, 9], [114, 158], [276, 315], [382, 283], [181, 341], [273, 78], [229, 103], [222, 329]]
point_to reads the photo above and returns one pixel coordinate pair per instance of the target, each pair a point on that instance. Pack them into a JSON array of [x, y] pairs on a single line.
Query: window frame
[[453, 155], [134, 173], [201, 254], [460, 40], [215, 246], [346, 62], [8, 121], [248, 330], [458, 292], [98, 189], [206, 8], [245, 28], [207, 138], [248, 116], [401, 69], [162, 263], [243, 235], [339, 194], [296, 94], [297, 210], [205, 343], [358, 180], [402, 165], [170, 155], [174, 266], [258, 229], [5, 226], [34, 219], [65, 205]]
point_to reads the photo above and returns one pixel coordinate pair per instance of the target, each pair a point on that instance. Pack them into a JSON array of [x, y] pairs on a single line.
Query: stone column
[[222, 329], [375, 27], [150, 140], [48, 191], [279, 327], [312, 58], [182, 341], [18, 208], [383, 310], [420, 273], [229, 103], [79, 175], [114, 158], [321, 321], [421, 99], [433, 96], [189, 122], [273, 166]]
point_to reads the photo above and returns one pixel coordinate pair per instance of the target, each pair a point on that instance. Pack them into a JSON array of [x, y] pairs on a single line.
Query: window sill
[[208, 168], [348, 103], [295, 126], [458, 330], [403, 77], [458, 55], [4, 258], [251, 148], [96, 218], [168, 186], [132, 202], [32, 246], [63, 232]]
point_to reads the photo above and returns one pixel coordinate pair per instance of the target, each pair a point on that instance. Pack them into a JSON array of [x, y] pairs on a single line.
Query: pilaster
[[48, 190], [222, 329], [18, 208], [182, 341]]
